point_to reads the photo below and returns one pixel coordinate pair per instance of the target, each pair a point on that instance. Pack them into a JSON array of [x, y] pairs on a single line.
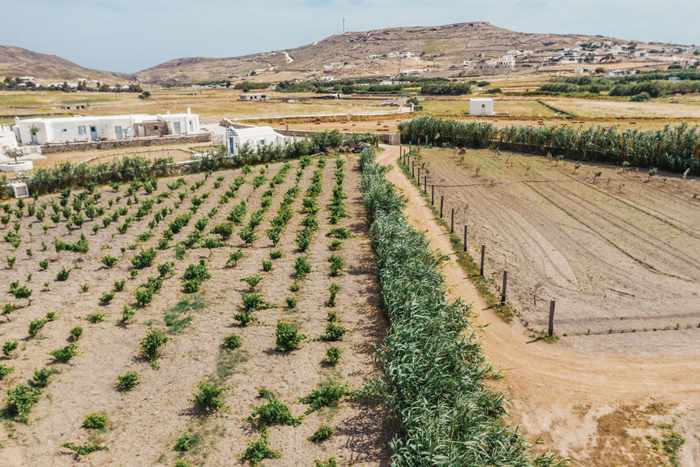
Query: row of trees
[[17, 84], [126, 169], [673, 148]]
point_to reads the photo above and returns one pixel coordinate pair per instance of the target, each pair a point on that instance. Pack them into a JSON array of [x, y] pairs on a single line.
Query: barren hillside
[[439, 49], [15, 61]]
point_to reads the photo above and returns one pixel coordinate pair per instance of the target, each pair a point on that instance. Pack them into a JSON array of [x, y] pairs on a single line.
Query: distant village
[[29, 83]]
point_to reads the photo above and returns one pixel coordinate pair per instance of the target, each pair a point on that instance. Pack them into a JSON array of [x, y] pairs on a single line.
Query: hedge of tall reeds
[[673, 148], [434, 370], [126, 169]]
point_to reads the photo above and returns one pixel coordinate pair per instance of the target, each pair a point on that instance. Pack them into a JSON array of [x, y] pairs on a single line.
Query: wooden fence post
[[432, 195], [452, 221], [552, 306], [418, 178], [466, 230], [442, 204], [504, 293], [483, 256], [425, 184]]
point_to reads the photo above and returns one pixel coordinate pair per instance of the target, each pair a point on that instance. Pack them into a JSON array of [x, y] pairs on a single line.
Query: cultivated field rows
[[160, 407], [618, 251]]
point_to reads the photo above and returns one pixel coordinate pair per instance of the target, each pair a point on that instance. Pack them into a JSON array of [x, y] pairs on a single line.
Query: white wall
[[481, 107], [7, 139], [253, 137]]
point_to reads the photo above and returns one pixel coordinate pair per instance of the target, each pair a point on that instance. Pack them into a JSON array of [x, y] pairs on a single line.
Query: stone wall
[[138, 142]]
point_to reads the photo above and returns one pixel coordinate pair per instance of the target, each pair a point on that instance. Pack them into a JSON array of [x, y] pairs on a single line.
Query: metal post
[[466, 231], [483, 255], [452, 221], [432, 195], [442, 204], [504, 288], [552, 306]]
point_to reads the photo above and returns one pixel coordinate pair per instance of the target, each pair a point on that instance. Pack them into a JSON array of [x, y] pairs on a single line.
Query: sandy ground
[[604, 409], [618, 252], [145, 422]]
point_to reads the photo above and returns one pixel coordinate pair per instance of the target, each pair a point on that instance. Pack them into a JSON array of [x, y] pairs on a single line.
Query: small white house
[[253, 137], [257, 97], [481, 106], [8, 141], [40, 131]]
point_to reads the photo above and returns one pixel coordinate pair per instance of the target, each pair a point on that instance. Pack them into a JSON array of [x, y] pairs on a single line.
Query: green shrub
[[119, 285], [258, 450], [334, 332], [336, 265], [43, 264], [273, 412], [244, 318], [143, 259], [209, 397], [106, 298], [233, 259], [36, 326], [330, 462], [8, 347], [95, 421], [323, 433], [267, 265], [287, 337], [187, 441], [65, 354], [327, 394], [109, 261], [4, 371], [20, 291], [127, 381], [19, 402], [231, 342], [86, 448], [75, 334], [41, 378], [127, 315], [224, 230], [291, 303], [252, 281], [152, 344], [333, 355], [94, 318], [275, 254], [301, 267]]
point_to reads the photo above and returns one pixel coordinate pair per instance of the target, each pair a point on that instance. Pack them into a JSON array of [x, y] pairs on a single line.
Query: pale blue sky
[[129, 35]]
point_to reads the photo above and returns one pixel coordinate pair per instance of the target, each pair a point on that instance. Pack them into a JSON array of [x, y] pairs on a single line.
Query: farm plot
[[619, 251], [201, 320]]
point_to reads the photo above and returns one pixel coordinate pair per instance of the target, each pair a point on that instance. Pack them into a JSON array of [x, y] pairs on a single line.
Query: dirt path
[[596, 410]]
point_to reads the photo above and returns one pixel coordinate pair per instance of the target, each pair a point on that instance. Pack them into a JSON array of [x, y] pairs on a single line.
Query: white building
[[8, 141], [39, 131], [481, 106], [253, 97], [253, 137]]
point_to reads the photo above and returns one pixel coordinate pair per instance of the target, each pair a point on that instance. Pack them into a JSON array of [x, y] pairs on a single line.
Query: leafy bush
[[75, 334], [323, 433], [143, 259], [252, 281], [86, 448], [95, 421], [109, 261], [287, 337], [187, 441], [224, 230], [4, 371], [8, 347], [272, 412], [19, 402], [334, 332], [62, 275], [327, 394], [333, 355], [209, 397], [40, 378], [94, 318], [258, 450], [233, 259], [231, 342], [267, 265], [301, 267], [36, 325], [127, 381], [65, 354], [106, 298], [152, 344]]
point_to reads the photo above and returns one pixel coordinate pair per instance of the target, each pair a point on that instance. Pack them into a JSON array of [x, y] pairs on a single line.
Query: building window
[[82, 130]]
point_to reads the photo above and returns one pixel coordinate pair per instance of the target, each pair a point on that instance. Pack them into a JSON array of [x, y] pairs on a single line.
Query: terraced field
[[202, 320]]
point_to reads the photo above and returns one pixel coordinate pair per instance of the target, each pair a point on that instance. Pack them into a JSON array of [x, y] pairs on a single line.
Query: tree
[[145, 95]]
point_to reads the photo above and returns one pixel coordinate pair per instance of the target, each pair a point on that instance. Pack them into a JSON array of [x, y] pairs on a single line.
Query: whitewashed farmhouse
[[253, 137], [41, 131], [481, 106]]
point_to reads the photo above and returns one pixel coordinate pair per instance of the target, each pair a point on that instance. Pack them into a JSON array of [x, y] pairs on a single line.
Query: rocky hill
[[15, 61], [438, 50]]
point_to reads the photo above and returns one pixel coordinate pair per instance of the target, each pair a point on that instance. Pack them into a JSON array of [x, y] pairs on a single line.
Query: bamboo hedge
[[434, 370], [126, 169], [674, 148]]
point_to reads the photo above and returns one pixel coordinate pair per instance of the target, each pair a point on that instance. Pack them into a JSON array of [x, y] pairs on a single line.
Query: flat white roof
[[254, 131], [92, 118], [481, 99]]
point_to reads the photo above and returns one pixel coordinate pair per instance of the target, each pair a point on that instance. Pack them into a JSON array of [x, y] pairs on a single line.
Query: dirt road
[[595, 409]]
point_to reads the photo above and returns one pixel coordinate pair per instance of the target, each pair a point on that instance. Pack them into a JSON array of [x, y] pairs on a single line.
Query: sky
[[130, 35]]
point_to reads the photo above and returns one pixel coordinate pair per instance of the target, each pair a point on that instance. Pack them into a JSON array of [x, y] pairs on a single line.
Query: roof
[[481, 99], [92, 118], [254, 131]]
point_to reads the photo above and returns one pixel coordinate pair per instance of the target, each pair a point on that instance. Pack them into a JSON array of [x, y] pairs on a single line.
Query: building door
[[93, 133]]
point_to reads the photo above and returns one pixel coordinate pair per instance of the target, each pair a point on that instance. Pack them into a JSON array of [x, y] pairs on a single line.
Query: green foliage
[[224, 230], [231, 342], [301, 267], [334, 331], [143, 259], [434, 369], [41, 378], [336, 265], [179, 317], [20, 400], [8, 347], [323, 433], [75, 334], [86, 448], [152, 344], [187, 441], [252, 281], [233, 259], [287, 337], [127, 381], [36, 325], [333, 355], [194, 276], [327, 394], [20, 291], [94, 318], [4, 371], [106, 298], [272, 412], [259, 450], [95, 421], [267, 265], [62, 275], [209, 397], [65, 354], [43, 264]]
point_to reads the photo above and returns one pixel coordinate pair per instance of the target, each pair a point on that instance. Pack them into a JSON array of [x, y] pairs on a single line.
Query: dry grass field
[[617, 250], [185, 325]]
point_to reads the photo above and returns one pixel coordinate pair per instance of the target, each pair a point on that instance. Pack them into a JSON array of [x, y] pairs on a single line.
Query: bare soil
[[602, 409], [145, 422]]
